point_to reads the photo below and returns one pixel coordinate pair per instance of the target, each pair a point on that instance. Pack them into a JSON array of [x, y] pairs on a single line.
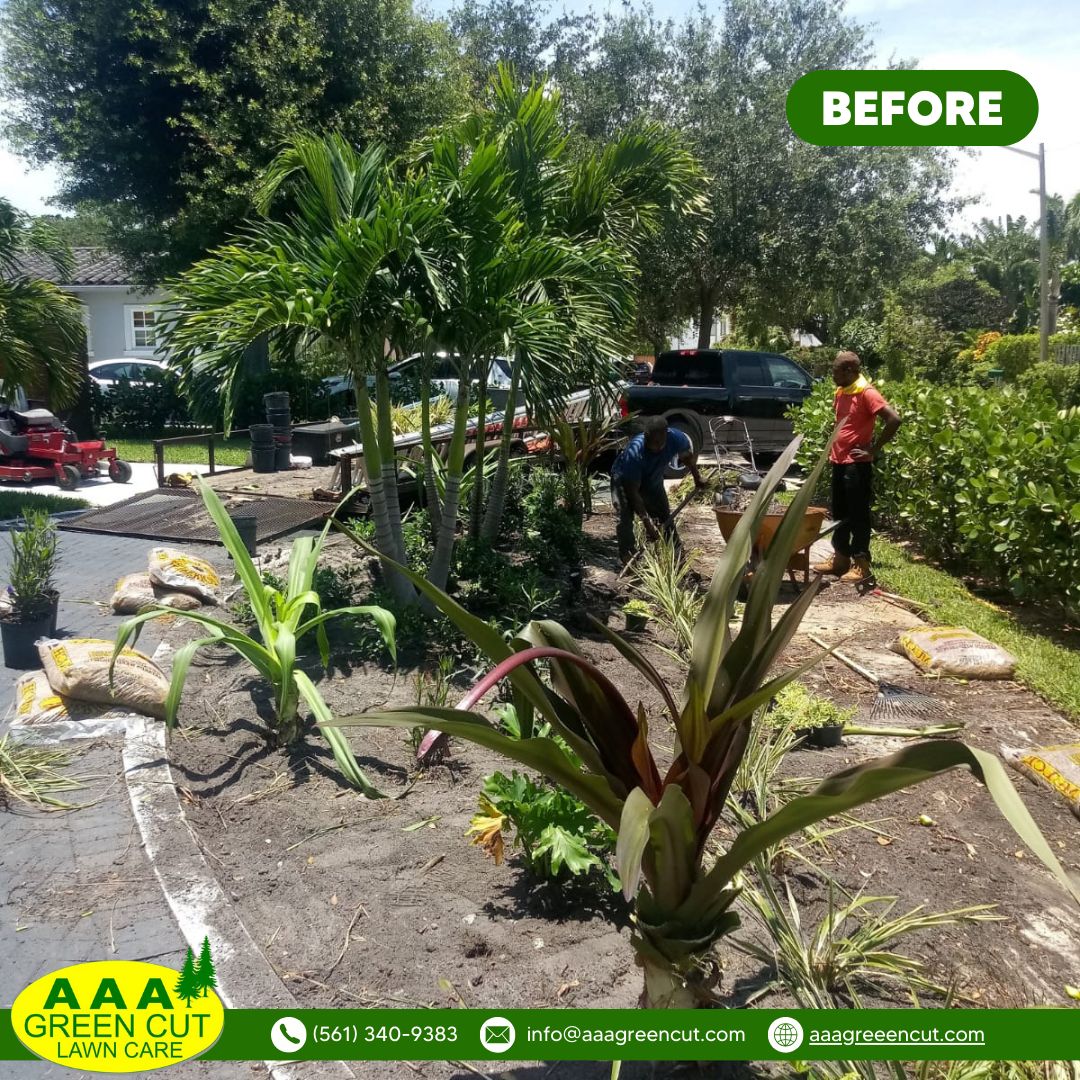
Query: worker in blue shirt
[[637, 482]]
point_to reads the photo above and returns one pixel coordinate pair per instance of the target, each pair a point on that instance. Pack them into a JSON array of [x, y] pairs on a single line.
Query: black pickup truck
[[690, 387]]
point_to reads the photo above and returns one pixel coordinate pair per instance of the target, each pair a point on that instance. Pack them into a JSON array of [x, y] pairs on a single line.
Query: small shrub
[[1060, 381], [33, 562], [1013, 353], [553, 533], [798, 708]]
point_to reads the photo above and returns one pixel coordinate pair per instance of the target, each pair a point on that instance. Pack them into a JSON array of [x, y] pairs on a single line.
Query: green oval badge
[[912, 108]]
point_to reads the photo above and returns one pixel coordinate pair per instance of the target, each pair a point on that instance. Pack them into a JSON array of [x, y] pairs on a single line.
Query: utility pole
[[1044, 252]]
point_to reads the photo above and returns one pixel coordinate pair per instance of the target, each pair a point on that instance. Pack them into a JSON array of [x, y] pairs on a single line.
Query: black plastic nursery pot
[[635, 621], [263, 459], [823, 737], [18, 638]]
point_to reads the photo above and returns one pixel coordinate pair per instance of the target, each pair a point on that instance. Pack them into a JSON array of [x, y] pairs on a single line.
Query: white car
[[137, 370]]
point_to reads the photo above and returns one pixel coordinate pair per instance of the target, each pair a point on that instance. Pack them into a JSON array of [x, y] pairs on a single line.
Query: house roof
[[93, 266]]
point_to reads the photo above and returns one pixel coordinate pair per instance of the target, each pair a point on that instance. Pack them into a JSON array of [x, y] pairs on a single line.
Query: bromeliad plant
[[282, 617], [684, 896]]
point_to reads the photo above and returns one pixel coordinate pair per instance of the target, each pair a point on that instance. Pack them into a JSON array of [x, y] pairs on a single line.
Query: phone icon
[[288, 1034]]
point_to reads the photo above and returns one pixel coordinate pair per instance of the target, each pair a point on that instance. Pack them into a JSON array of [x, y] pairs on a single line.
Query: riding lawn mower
[[35, 445]]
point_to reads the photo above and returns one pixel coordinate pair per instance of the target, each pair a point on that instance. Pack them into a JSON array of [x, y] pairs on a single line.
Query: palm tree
[[42, 335], [344, 261], [1006, 255]]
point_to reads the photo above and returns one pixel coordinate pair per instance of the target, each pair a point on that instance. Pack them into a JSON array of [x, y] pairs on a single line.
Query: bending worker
[[858, 406], [637, 482]]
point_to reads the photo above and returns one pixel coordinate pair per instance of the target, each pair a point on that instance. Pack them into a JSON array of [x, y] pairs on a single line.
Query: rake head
[[898, 703]]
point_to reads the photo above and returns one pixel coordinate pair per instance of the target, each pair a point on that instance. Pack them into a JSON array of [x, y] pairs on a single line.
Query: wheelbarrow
[[813, 519]]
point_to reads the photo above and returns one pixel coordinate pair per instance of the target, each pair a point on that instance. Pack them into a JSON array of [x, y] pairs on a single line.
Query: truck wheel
[[119, 471], [675, 471], [71, 478]]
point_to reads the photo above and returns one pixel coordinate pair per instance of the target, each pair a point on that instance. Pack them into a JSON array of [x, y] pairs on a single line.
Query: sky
[[1040, 41]]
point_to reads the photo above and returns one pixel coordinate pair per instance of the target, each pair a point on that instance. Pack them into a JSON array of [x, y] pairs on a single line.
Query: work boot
[[837, 564], [860, 572]]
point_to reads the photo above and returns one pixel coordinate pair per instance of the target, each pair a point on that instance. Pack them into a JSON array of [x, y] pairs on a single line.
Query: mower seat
[[35, 418], [13, 445]]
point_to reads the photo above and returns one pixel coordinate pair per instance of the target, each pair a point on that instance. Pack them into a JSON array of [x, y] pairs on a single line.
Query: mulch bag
[[956, 651], [1056, 767], [79, 668], [41, 714], [135, 591], [177, 571]]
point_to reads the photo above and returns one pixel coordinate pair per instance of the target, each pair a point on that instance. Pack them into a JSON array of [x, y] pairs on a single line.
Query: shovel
[[894, 703]]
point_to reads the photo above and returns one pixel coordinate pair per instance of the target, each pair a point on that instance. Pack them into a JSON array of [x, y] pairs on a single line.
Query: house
[[120, 320]]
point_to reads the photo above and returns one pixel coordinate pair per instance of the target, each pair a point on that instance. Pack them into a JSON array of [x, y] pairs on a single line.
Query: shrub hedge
[[988, 479]]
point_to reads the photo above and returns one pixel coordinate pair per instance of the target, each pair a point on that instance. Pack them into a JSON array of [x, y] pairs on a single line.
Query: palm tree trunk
[[706, 310], [431, 490], [444, 541], [481, 452], [388, 456], [493, 515], [400, 586]]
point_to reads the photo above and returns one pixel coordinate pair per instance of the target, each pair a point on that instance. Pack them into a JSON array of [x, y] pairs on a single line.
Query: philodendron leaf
[[874, 780]]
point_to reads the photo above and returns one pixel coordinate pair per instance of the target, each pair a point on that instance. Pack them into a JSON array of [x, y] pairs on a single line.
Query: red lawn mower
[[35, 445]]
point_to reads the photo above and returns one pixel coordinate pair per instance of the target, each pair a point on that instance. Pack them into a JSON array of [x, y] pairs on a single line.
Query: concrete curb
[[197, 900]]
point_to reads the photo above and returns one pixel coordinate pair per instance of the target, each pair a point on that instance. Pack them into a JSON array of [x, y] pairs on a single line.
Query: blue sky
[[1040, 41]]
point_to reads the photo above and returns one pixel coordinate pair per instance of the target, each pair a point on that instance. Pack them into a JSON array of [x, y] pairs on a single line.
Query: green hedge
[[1013, 353], [1060, 381], [988, 479]]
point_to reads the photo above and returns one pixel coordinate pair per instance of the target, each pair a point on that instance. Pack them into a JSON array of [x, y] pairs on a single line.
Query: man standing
[[637, 481], [858, 406]]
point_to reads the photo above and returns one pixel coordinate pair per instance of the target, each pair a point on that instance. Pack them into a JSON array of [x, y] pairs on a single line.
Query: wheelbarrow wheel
[[70, 478], [119, 471]]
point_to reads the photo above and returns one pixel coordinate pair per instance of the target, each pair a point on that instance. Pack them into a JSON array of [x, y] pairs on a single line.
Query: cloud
[[27, 188]]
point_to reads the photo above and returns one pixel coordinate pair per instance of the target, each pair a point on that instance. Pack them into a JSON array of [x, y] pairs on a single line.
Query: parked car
[[690, 387], [444, 375], [137, 370]]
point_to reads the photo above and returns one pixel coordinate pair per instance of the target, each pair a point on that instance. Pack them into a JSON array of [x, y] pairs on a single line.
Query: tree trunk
[[497, 499], [481, 452], [400, 586], [665, 988], [706, 310], [1055, 298], [444, 541], [388, 456], [431, 490]]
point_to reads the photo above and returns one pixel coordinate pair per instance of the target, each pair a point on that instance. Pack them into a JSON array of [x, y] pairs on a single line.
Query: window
[[690, 367], [784, 374], [750, 369], [141, 329], [113, 371]]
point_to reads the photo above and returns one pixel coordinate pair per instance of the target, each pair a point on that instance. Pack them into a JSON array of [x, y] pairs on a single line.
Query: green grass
[[12, 503], [1048, 667], [232, 451]]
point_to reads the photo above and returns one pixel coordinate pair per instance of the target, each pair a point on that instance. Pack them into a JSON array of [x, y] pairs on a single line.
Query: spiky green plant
[[282, 618], [682, 905]]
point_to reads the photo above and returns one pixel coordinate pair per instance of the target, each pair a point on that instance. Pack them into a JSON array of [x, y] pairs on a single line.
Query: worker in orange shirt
[[858, 408]]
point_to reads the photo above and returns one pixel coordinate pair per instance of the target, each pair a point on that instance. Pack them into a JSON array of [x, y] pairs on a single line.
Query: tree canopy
[[163, 113]]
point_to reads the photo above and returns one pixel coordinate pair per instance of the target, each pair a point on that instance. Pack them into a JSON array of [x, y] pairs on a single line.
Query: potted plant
[[638, 614], [816, 720], [32, 597]]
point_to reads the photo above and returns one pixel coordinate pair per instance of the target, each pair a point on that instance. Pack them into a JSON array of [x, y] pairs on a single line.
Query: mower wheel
[[119, 471], [72, 478]]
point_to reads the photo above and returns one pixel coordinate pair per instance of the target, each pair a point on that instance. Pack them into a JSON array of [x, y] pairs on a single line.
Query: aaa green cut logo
[[120, 1016]]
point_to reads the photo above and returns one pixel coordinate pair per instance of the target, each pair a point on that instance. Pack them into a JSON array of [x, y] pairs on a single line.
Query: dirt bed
[[385, 903]]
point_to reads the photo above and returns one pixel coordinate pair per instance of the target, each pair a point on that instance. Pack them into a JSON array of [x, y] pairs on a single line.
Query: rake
[[894, 703]]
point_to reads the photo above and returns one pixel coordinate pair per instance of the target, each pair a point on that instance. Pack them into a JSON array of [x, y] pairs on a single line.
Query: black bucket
[[263, 459], [276, 402], [246, 525], [261, 435], [283, 456], [18, 638]]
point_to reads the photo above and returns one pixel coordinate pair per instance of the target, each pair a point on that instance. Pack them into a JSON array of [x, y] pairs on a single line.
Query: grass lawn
[[13, 502], [1045, 665], [226, 452]]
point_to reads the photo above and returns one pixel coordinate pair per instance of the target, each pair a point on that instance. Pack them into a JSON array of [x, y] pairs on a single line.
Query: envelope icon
[[498, 1034]]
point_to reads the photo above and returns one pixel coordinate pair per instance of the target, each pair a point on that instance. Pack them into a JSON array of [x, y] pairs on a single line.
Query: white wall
[[105, 307]]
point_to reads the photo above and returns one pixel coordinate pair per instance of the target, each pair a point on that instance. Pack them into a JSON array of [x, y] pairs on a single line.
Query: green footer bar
[[629, 1035]]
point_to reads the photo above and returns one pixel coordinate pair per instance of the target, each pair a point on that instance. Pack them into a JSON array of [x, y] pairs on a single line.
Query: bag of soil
[[956, 651], [42, 715], [78, 668], [1056, 767], [177, 571], [136, 591]]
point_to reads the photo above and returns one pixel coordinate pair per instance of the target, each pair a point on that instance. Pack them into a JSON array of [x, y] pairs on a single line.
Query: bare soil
[[385, 903]]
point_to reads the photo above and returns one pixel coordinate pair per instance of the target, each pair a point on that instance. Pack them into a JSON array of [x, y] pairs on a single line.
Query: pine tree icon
[[205, 976], [187, 985]]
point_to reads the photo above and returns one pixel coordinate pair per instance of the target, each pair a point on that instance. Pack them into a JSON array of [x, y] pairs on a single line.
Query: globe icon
[[785, 1035]]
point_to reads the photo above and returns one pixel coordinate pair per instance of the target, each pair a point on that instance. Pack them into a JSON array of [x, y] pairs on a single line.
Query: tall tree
[[42, 334], [187, 982], [205, 973], [164, 113]]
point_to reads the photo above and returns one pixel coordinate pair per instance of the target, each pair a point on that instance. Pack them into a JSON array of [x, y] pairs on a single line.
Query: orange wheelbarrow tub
[[813, 519]]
